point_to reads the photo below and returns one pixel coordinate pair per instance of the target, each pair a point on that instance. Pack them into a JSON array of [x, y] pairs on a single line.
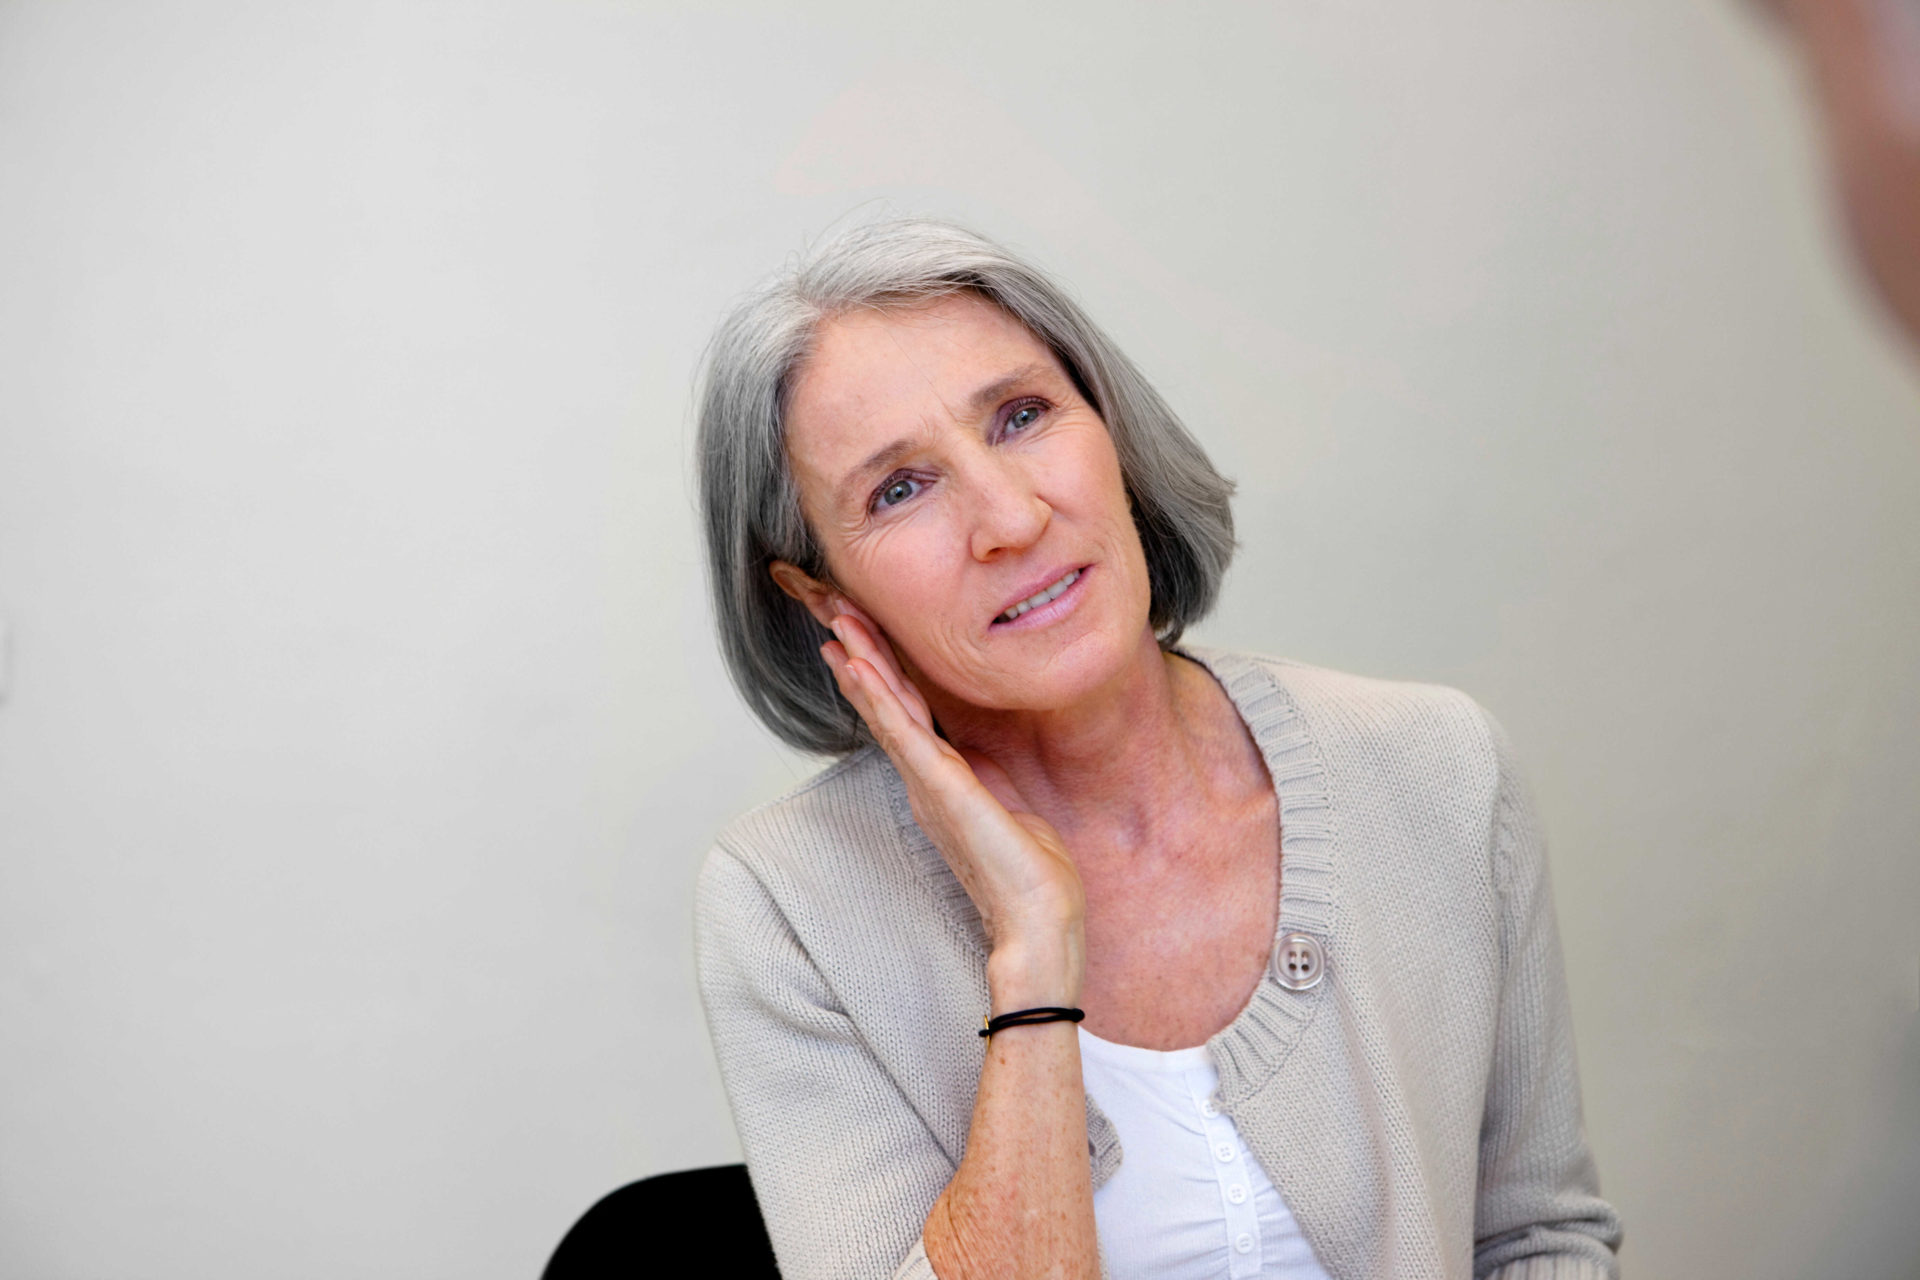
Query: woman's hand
[[1021, 1202], [1010, 860]]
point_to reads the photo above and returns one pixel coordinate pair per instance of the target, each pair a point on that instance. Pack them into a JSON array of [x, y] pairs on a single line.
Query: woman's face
[[952, 473]]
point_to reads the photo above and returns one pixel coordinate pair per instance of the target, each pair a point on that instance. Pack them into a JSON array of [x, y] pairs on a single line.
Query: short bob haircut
[[751, 508]]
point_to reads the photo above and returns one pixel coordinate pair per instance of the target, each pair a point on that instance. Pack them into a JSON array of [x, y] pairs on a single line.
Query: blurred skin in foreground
[[1863, 59]]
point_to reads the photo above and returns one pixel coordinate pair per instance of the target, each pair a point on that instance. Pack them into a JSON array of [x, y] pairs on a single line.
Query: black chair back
[[652, 1224]]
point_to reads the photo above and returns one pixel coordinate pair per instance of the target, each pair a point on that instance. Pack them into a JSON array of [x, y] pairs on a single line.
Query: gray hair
[[751, 508]]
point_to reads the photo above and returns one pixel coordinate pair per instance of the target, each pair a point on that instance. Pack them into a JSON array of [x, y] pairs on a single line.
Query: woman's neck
[[1120, 765]]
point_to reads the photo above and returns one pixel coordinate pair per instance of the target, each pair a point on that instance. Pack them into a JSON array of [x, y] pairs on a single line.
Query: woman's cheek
[[910, 577]]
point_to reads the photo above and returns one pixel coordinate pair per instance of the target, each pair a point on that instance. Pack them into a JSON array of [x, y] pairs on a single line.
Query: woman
[[954, 539]]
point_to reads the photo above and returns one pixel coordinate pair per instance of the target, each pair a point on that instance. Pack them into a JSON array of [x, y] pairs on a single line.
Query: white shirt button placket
[[1230, 1168]]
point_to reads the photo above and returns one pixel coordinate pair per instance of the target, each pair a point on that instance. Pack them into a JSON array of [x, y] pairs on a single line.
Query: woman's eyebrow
[[880, 459], [987, 396]]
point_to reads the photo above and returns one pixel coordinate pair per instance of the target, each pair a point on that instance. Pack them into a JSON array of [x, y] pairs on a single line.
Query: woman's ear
[[817, 596], [822, 599]]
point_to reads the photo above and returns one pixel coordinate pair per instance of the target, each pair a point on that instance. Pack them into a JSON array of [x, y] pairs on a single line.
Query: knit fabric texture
[[1418, 1108]]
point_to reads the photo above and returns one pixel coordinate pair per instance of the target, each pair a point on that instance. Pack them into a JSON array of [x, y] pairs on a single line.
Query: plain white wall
[[363, 729]]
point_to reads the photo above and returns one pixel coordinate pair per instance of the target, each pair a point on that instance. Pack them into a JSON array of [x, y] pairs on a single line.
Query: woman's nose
[[1011, 515]]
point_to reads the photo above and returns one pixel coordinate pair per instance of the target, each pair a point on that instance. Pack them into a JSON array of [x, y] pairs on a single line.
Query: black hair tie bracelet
[[1029, 1018]]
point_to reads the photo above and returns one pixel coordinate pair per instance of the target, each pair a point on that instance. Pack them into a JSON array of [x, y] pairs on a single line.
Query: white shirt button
[[1236, 1194], [1243, 1242], [1224, 1151], [1209, 1108]]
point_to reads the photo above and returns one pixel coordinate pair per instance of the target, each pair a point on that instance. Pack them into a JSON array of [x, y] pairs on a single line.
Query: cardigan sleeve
[[1538, 1212], [843, 1167]]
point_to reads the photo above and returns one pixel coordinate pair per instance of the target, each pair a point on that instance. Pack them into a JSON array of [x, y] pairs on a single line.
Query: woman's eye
[[895, 492], [1023, 417]]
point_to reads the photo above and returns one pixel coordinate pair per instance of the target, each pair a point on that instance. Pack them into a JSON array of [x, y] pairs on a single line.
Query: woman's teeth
[[1039, 598]]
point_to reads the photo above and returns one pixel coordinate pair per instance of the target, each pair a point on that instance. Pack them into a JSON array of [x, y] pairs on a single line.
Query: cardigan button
[[1298, 962]]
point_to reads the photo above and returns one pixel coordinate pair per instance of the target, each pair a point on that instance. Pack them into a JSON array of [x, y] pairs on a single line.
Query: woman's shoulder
[[1418, 775], [1361, 720], [1370, 703], [843, 835], [818, 805]]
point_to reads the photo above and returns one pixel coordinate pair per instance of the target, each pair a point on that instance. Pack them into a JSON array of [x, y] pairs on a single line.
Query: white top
[[1189, 1201]]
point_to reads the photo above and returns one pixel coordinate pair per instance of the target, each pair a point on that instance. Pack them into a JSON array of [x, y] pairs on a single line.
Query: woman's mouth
[[1041, 598]]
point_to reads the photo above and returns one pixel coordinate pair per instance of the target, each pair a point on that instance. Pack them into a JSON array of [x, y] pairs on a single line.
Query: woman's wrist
[[1027, 973]]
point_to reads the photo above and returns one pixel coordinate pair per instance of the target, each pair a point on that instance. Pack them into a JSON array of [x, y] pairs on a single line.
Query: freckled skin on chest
[[1177, 944]]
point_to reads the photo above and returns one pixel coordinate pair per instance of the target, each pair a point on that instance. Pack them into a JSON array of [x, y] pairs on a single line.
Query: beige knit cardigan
[[1419, 1108]]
